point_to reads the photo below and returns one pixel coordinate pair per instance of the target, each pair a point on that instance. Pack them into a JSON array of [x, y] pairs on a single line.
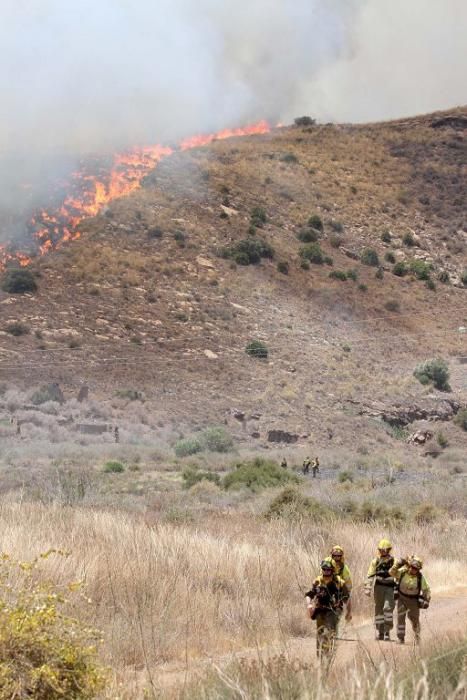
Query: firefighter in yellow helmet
[[325, 601], [336, 558], [412, 593], [380, 580]]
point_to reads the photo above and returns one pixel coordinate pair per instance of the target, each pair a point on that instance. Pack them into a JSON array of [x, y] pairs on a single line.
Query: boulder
[[282, 436]]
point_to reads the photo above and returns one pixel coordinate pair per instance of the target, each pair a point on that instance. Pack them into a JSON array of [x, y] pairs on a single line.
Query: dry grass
[[160, 592]]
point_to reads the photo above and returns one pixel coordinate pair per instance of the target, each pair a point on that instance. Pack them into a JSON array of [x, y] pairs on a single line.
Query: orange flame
[[51, 229]]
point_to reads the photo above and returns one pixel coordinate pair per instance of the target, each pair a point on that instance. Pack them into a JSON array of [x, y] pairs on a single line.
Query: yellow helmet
[[385, 544], [337, 549], [416, 562]]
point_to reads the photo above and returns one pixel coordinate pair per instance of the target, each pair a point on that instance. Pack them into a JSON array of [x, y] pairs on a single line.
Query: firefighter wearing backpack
[[413, 594], [325, 601], [380, 580], [336, 558]]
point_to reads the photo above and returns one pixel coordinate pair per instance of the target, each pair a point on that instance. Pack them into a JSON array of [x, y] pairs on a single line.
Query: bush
[[461, 419], [328, 260], [420, 269], [305, 265], [283, 267], [192, 476], [338, 275], [289, 158], [434, 371], [363, 287], [316, 222], [258, 474], [390, 257], [336, 226], [379, 274], [216, 439], [386, 237], [258, 349], [352, 275], [130, 394], [18, 281], [180, 238], [16, 328], [304, 121], [155, 232], [258, 217], [335, 241], [308, 235], [426, 513], [290, 503], [464, 278], [312, 253], [113, 467], [400, 269], [249, 251], [442, 440], [47, 392], [430, 284], [392, 305], [44, 654], [188, 446], [408, 240], [444, 277], [369, 257], [344, 476]]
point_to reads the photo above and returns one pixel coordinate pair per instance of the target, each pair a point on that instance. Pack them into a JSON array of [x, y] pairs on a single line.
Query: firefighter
[[315, 467], [284, 463], [306, 465], [329, 593], [382, 583], [412, 593], [336, 558]]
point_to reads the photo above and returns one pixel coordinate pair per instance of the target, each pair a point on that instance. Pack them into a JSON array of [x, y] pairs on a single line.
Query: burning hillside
[[94, 185]]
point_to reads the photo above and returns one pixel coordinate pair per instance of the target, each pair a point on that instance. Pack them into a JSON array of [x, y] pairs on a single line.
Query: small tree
[[434, 371], [316, 222], [258, 349], [312, 253], [18, 281], [369, 256]]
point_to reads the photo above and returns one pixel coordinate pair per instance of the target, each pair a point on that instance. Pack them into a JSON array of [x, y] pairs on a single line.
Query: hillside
[[147, 300]]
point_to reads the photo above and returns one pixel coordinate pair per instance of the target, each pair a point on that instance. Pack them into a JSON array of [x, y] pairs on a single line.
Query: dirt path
[[448, 614]]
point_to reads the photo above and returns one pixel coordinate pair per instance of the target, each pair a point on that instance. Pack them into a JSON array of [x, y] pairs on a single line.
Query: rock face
[[399, 416], [282, 436], [420, 437]]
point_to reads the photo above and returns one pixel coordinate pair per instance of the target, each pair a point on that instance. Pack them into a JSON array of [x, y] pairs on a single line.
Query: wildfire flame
[[50, 229]]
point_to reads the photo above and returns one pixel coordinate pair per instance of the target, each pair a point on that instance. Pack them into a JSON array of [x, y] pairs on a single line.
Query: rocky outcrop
[[282, 436], [401, 415]]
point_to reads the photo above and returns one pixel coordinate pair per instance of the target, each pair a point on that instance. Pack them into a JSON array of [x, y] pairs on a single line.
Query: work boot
[[387, 637], [380, 635], [400, 640]]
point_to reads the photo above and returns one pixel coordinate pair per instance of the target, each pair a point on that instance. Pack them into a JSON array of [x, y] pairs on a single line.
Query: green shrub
[[155, 232], [216, 439], [130, 394], [44, 654], [390, 257], [430, 284], [335, 241], [187, 447], [180, 238], [379, 274], [316, 222], [283, 267], [258, 217], [392, 305], [312, 253], [434, 371], [16, 328], [308, 235], [338, 275], [47, 392], [363, 287], [344, 476], [18, 281], [113, 467], [352, 275], [305, 265], [193, 475], [258, 349], [464, 278], [400, 269], [290, 503], [461, 419], [442, 440], [289, 158], [420, 269], [444, 277], [386, 236], [328, 260], [369, 257], [258, 474], [408, 240], [336, 226], [304, 121], [249, 251]]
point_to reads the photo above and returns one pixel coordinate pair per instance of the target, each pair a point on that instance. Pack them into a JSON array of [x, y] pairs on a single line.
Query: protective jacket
[[342, 570], [410, 585], [379, 572], [329, 593]]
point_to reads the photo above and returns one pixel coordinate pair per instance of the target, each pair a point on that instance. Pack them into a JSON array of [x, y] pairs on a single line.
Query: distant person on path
[[306, 465], [315, 467], [413, 594], [116, 434], [380, 580], [284, 463]]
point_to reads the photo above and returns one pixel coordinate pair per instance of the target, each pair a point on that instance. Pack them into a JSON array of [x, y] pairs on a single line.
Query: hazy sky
[[97, 74]]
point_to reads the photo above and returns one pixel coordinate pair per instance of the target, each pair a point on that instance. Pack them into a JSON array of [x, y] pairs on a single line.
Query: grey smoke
[[81, 76]]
